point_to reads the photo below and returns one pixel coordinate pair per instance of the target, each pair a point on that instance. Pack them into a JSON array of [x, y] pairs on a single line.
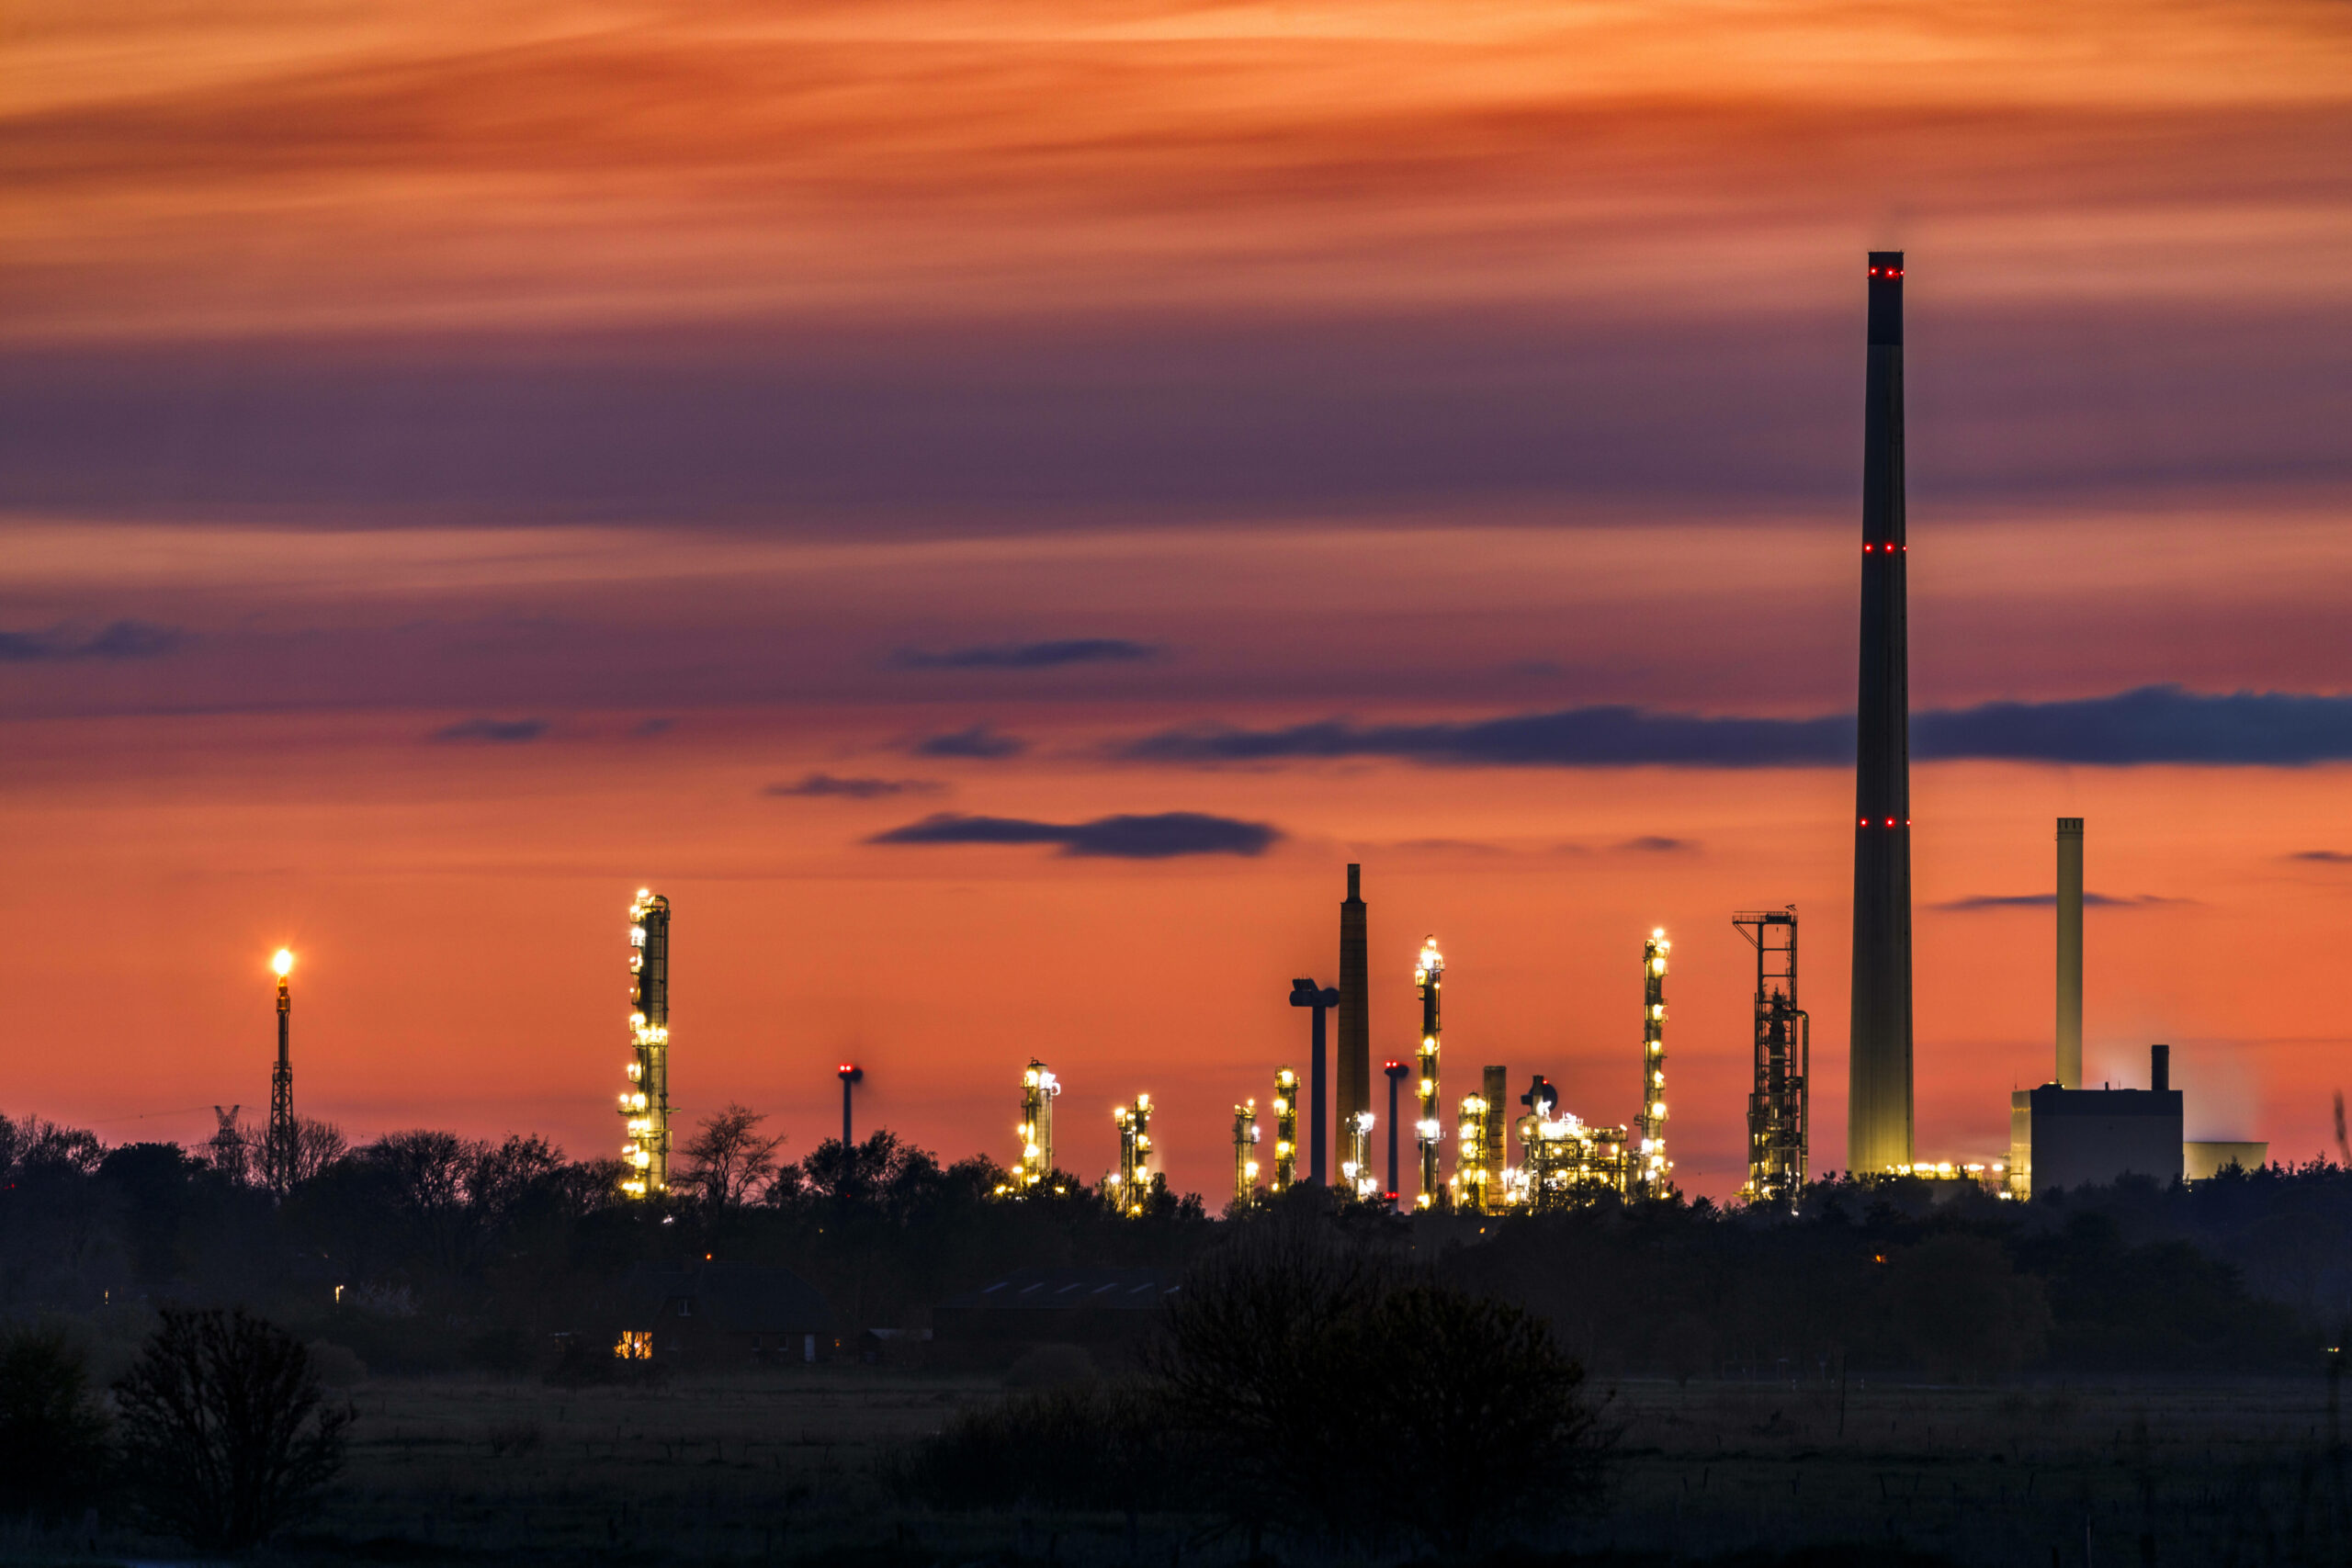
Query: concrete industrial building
[[1878, 1103], [2064, 1134]]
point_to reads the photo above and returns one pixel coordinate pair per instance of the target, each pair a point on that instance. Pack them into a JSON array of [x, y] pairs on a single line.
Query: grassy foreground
[[782, 1468]]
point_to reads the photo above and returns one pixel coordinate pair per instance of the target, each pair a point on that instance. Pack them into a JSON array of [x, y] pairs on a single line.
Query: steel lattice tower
[[1779, 1106], [278, 1154]]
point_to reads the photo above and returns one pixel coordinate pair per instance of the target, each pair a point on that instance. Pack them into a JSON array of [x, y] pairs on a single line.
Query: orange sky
[[570, 367]]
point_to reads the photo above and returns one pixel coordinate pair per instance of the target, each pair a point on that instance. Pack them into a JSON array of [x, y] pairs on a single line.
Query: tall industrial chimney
[[1878, 1101], [2070, 952], [1352, 1079]]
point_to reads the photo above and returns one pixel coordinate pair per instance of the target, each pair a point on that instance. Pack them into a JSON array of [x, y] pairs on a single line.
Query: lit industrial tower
[[1127, 1189], [1038, 1090], [645, 1105], [1650, 1173], [1779, 1109], [279, 1150], [1878, 1096], [1245, 1151], [1286, 1129], [1427, 970]]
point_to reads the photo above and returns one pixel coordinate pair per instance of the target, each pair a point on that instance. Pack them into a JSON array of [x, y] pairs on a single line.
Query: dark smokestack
[[2159, 1068], [1878, 1103], [1352, 1077]]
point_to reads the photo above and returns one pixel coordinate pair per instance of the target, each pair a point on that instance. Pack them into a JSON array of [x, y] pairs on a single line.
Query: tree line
[[423, 1249]]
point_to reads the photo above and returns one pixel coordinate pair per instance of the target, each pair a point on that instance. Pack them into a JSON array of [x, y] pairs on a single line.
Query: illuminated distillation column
[[1650, 1173], [1038, 1089], [1426, 971], [1127, 1189], [645, 1106], [1245, 1151], [1356, 1172], [1286, 1130]]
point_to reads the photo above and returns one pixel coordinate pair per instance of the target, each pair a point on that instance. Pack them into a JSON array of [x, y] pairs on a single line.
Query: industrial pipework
[[1780, 1107], [645, 1105], [1356, 1174], [1245, 1151], [1650, 1174], [1472, 1179], [1428, 972], [1127, 1189]]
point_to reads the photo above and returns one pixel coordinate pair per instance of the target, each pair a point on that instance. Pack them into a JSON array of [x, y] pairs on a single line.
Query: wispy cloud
[[979, 742], [1162, 836], [829, 786], [2323, 857], [1028, 655], [118, 639], [1656, 845], [2049, 901], [495, 732], [2148, 725]]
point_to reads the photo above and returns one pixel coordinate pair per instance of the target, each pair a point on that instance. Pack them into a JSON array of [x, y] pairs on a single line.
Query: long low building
[[1109, 1311]]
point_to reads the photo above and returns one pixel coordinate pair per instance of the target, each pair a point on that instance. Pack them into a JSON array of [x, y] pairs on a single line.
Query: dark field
[[785, 1469]]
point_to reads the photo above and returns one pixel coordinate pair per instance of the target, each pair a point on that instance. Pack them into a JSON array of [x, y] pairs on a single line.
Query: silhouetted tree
[[227, 1437], [53, 1454], [729, 1162], [1286, 1349]]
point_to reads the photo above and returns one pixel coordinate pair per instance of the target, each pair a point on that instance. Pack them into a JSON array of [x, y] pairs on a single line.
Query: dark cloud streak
[[2149, 725], [117, 640], [979, 743], [1051, 655], [1163, 836], [828, 786]]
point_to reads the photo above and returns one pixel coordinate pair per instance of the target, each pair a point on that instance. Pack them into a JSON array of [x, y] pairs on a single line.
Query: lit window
[[636, 1345]]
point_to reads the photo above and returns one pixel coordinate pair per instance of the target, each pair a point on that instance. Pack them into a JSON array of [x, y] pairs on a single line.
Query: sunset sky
[[462, 463]]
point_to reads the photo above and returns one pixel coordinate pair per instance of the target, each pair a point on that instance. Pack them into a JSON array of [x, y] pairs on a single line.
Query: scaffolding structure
[[1428, 972], [1127, 1189], [1286, 1130], [1650, 1174], [1245, 1151], [645, 1104], [1357, 1177], [1038, 1090], [1565, 1160], [1779, 1107]]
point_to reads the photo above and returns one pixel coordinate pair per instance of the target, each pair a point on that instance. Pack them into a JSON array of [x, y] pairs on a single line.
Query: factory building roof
[[1073, 1289]]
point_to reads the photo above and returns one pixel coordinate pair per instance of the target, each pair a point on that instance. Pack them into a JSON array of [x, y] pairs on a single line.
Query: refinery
[[1488, 1151]]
